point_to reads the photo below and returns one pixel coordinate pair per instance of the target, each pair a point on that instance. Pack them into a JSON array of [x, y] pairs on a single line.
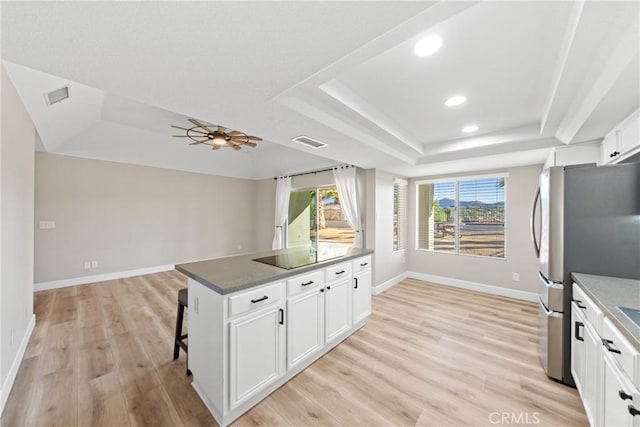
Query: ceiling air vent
[[310, 142], [57, 95]]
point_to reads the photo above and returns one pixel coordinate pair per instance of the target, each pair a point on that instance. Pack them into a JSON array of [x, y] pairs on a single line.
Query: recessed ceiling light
[[470, 128], [428, 45], [455, 100]]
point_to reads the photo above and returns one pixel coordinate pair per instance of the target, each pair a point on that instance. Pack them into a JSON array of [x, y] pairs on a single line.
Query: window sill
[[504, 258]]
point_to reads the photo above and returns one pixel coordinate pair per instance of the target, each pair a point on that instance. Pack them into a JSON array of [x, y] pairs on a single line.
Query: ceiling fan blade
[[221, 129], [215, 147], [241, 139], [254, 138], [251, 144], [181, 136], [197, 142], [199, 124], [235, 133], [235, 147], [179, 127], [187, 129]]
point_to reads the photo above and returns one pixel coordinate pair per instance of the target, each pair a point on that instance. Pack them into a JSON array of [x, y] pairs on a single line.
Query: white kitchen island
[[253, 326]]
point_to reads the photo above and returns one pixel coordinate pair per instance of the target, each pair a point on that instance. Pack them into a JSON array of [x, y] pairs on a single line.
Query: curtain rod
[[318, 171]]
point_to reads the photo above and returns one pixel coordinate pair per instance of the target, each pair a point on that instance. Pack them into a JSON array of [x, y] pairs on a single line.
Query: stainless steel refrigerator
[[585, 219]]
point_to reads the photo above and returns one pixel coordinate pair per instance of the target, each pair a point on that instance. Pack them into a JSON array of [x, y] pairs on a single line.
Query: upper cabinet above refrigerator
[[574, 154], [623, 141]]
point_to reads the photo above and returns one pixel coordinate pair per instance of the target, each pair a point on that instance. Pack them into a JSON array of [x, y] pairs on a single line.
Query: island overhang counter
[[253, 326]]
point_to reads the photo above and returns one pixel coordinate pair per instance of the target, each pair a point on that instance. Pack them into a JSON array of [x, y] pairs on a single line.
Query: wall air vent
[[57, 95], [310, 142]]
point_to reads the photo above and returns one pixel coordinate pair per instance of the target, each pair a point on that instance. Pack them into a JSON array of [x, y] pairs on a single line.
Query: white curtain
[[345, 178], [283, 190]]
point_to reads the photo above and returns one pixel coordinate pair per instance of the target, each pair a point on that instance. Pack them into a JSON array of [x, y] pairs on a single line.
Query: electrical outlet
[[87, 265], [516, 277], [94, 264]]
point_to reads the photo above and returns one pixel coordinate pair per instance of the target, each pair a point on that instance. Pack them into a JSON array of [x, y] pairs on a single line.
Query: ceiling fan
[[216, 136]]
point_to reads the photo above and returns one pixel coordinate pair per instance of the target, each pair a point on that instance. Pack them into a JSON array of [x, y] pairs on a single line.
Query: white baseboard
[[43, 286], [474, 286], [15, 365], [389, 283]]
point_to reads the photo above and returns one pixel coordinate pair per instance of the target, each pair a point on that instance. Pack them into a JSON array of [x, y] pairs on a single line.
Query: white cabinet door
[[610, 152], [361, 296], [629, 136], [586, 356], [617, 393], [337, 309], [256, 353], [591, 394], [578, 348], [305, 326]]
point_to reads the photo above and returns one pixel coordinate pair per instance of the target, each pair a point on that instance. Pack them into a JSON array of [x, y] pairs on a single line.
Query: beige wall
[[265, 190], [388, 263], [521, 186], [16, 217], [129, 217], [312, 180]]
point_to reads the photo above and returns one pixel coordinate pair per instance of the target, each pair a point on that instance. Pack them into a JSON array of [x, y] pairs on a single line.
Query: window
[[462, 216], [316, 220], [399, 214]]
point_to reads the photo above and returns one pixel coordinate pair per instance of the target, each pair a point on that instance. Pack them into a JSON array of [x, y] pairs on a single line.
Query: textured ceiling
[[536, 74]]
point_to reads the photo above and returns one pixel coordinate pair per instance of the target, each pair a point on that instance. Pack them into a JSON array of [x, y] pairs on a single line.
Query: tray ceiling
[[535, 74]]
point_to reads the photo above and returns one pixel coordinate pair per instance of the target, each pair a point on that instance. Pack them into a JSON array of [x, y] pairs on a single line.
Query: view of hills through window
[[465, 216]]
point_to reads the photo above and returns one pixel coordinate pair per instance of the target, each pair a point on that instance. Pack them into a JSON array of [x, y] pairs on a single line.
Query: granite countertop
[[235, 273], [609, 292]]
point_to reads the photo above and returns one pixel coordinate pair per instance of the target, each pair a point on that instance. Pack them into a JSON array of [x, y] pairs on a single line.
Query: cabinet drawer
[[621, 351], [589, 309], [361, 264], [336, 272], [305, 282], [253, 299]]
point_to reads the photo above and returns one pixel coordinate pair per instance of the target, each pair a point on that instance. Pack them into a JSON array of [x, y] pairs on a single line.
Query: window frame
[[456, 180], [403, 220]]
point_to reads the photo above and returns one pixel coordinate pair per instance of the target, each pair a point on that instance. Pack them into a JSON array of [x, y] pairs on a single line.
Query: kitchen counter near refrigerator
[[610, 292]]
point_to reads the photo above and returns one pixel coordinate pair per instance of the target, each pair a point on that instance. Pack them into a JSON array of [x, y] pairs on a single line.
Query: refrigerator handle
[[536, 245]]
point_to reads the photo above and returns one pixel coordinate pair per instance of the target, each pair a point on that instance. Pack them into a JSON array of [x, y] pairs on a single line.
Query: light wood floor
[[101, 354]]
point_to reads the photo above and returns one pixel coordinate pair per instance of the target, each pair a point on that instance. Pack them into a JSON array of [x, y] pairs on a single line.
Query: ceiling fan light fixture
[[219, 139], [428, 45], [216, 136], [455, 100]]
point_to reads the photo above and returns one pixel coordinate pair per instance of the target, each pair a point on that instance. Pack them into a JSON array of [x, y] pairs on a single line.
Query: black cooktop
[[295, 258]]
